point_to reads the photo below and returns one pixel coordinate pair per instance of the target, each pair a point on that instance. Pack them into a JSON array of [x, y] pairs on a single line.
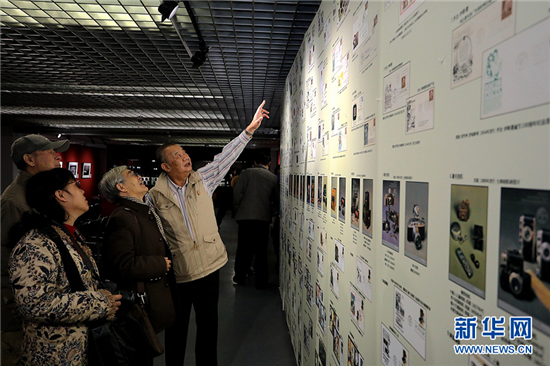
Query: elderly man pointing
[[183, 199]]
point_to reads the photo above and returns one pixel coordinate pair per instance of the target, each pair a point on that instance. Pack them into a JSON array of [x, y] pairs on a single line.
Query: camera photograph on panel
[[320, 192], [325, 194], [367, 207], [524, 263], [333, 196], [312, 190], [416, 217], [308, 190], [342, 200], [355, 200], [390, 214], [467, 243]]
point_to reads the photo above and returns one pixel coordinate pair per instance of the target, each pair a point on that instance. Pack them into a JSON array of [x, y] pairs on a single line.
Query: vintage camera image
[[334, 196], [524, 250], [342, 200], [468, 242], [390, 214], [319, 192], [325, 194], [416, 217], [355, 203], [366, 204]]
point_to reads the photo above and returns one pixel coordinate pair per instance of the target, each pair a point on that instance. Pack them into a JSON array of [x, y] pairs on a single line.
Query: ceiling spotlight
[[58, 135], [168, 9], [200, 56]]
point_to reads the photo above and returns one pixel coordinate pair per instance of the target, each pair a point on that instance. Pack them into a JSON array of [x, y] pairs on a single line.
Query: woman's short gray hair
[[108, 184]]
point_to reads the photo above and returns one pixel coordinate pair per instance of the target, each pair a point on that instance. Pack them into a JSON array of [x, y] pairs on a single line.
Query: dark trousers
[[252, 242], [202, 295]]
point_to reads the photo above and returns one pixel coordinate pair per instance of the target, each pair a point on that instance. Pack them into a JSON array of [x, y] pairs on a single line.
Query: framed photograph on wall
[[73, 167], [86, 170]]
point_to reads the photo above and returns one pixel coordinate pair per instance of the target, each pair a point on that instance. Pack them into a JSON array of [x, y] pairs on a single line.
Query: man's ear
[[29, 159], [165, 167]]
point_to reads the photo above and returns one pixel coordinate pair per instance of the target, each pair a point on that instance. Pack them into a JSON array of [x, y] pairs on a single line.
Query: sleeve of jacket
[[120, 250], [35, 274]]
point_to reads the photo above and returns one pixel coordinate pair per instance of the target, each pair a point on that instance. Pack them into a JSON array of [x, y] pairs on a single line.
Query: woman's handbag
[[121, 342], [139, 313]]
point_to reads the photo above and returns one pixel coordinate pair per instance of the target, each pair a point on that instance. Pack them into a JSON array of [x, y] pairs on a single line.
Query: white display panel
[[423, 180]]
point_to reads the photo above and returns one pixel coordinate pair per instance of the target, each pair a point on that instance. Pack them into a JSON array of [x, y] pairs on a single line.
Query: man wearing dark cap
[[31, 154]]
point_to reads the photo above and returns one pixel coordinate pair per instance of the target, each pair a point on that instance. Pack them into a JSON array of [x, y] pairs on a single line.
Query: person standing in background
[[31, 154], [256, 199]]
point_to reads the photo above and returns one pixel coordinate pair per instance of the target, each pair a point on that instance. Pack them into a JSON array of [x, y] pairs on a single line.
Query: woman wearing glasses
[[55, 316]]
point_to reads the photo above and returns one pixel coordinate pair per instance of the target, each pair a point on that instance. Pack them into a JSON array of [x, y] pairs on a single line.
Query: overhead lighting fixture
[[58, 135], [168, 9], [200, 56]]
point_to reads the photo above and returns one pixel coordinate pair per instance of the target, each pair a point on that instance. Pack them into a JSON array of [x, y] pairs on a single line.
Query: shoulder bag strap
[[83, 255], [75, 281]]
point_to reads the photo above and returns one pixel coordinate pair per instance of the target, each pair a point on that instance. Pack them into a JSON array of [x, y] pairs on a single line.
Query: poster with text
[[410, 320], [357, 308], [516, 73], [407, 7], [357, 112], [420, 112], [393, 352], [335, 122], [364, 278], [486, 29], [335, 281], [369, 129], [396, 88], [323, 240], [354, 357], [343, 139], [339, 254], [320, 261]]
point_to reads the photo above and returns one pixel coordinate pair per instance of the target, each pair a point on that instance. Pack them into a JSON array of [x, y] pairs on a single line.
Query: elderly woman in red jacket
[[135, 248]]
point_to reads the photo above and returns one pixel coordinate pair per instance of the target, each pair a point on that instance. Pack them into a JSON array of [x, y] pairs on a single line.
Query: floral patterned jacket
[[54, 318]]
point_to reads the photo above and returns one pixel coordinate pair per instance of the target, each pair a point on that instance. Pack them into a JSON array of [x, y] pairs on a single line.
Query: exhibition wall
[[415, 173]]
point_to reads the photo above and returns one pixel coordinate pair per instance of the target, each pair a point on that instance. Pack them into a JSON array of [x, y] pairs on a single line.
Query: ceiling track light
[[168, 9]]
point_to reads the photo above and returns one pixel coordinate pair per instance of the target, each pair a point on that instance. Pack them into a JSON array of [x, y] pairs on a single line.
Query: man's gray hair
[[108, 184]]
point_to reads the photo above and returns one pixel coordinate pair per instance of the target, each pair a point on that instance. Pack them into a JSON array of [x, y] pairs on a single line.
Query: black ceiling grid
[[110, 68]]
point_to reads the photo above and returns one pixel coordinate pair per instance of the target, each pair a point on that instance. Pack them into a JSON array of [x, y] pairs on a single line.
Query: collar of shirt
[[175, 188]]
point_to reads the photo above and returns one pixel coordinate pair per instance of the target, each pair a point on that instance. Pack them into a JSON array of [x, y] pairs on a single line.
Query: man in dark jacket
[[135, 248], [256, 198]]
